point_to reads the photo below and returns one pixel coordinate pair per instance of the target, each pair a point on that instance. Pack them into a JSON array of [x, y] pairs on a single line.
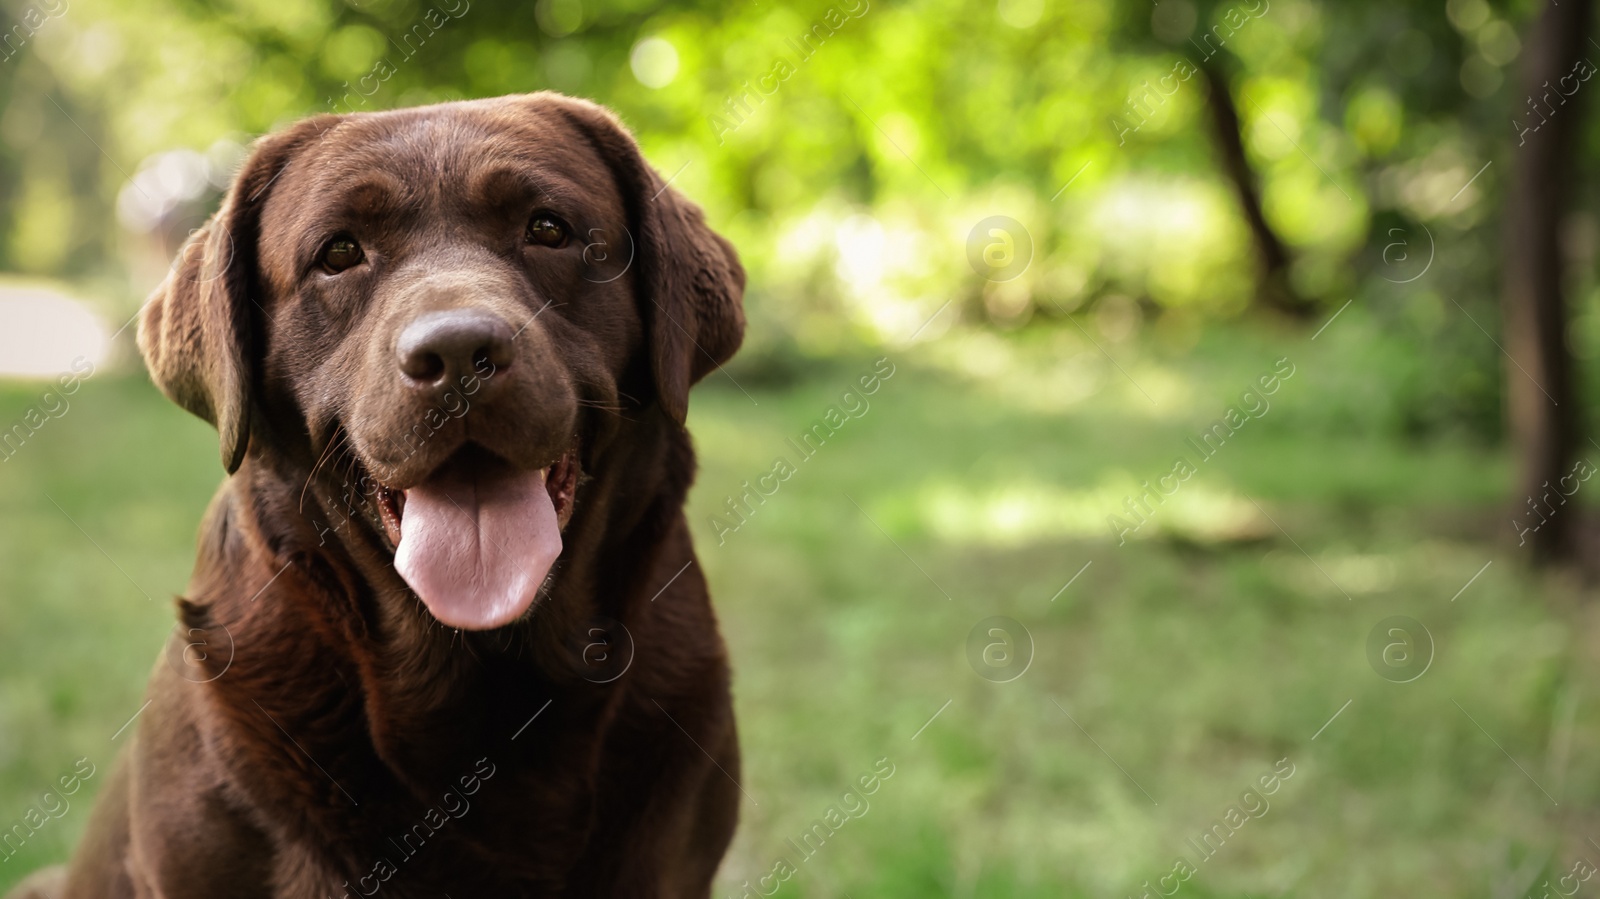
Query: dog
[[446, 633]]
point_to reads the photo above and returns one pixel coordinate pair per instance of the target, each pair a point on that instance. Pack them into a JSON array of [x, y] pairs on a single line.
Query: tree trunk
[[1540, 396], [1273, 289]]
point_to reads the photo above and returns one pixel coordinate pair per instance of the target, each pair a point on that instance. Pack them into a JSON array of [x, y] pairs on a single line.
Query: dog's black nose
[[438, 348]]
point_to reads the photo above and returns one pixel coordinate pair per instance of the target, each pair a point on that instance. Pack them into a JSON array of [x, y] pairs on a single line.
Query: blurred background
[[1240, 358]]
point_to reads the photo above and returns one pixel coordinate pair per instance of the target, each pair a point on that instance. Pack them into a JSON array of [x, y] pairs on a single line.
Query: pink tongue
[[476, 547]]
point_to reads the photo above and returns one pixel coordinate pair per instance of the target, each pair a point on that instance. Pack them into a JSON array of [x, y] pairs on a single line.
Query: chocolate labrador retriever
[[445, 634]]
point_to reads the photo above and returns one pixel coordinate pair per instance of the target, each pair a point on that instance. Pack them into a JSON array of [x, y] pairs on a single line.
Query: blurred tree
[[1207, 37], [1273, 287], [1541, 395]]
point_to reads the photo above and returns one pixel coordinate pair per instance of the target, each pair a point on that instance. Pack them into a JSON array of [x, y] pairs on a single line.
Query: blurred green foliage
[[850, 170]]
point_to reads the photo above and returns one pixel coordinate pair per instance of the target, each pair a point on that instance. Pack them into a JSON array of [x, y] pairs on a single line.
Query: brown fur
[[345, 712]]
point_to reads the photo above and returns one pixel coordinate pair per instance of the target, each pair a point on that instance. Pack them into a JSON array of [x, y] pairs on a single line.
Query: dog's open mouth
[[477, 537]]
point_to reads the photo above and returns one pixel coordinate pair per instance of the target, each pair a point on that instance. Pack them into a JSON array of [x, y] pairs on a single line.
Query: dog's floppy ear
[[690, 275], [195, 330]]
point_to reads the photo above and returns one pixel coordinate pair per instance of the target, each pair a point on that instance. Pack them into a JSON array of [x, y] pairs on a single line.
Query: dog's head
[[460, 300]]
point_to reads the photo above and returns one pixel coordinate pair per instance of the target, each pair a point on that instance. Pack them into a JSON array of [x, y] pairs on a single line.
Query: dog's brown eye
[[341, 253], [546, 230]]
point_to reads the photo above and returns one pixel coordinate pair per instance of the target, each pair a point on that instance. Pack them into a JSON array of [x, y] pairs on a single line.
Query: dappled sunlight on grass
[[1354, 573], [1065, 370], [1021, 512]]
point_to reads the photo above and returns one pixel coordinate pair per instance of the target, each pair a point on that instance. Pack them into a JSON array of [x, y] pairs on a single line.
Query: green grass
[[978, 484]]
